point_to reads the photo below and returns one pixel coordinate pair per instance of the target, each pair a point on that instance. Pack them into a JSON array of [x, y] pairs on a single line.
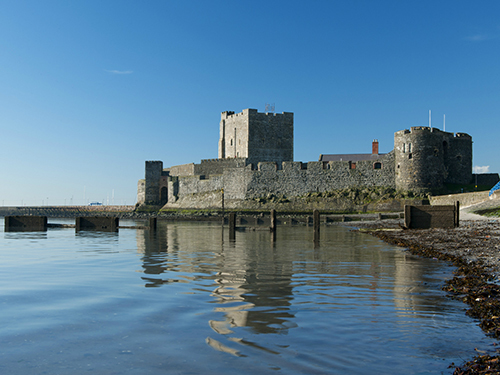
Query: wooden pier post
[[273, 220], [222, 204], [316, 223], [232, 225], [273, 225]]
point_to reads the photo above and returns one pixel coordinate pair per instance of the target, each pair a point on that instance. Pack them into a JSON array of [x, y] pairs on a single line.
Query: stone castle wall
[[210, 167], [485, 179], [294, 179], [298, 179], [192, 185], [181, 170]]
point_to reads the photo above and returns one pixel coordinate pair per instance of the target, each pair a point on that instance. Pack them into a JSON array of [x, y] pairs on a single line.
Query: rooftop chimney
[[375, 147]]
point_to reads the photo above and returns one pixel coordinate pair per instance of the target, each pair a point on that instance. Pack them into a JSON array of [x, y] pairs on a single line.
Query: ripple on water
[[186, 300]]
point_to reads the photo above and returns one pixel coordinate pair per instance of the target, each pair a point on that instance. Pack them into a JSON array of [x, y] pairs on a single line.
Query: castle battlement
[[267, 166], [426, 129], [463, 135], [222, 160], [253, 112]]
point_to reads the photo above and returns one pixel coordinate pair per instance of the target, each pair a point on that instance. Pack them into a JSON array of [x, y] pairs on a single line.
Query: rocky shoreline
[[473, 248]]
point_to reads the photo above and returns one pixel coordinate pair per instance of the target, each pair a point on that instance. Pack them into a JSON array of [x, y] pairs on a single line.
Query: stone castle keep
[[255, 160]]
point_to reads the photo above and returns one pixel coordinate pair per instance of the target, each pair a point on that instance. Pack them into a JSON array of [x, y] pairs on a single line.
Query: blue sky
[[89, 90]]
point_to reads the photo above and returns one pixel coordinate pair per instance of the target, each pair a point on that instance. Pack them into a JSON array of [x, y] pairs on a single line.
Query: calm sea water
[[186, 300]]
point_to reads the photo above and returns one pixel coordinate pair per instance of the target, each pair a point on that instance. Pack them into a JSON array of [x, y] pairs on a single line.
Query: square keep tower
[[256, 136]]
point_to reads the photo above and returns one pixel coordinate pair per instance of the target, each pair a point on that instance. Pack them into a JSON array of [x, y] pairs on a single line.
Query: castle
[[255, 159]]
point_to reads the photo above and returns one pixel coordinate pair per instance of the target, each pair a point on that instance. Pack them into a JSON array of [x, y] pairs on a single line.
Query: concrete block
[[25, 223], [107, 224], [424, 217]]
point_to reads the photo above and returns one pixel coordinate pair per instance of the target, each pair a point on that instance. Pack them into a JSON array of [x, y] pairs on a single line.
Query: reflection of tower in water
[[253, 281]]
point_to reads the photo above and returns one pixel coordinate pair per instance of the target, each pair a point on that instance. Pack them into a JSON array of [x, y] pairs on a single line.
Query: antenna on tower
[[430, 123], [269, 108], [444, 123]]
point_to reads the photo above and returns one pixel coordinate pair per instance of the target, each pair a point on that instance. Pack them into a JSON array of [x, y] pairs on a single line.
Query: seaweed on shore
[[482, 364]]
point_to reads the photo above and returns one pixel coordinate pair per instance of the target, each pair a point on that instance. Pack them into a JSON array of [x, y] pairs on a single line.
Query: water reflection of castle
[[249, 291], [255, 283]]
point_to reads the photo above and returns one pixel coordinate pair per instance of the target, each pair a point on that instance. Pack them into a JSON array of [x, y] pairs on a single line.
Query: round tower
[[420, 159]]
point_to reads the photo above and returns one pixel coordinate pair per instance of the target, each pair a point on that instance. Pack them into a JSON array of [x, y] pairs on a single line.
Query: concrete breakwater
[[256, 218], [68, 211]]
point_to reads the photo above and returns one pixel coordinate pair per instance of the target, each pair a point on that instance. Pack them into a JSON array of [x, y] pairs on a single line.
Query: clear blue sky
[[89, 90]]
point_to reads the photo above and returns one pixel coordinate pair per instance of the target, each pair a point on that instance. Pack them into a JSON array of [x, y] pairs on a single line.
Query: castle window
[[409, 147], [377, 165], [459, 157], [410, 156], [231, 142], [404, 148], [352, 165]]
